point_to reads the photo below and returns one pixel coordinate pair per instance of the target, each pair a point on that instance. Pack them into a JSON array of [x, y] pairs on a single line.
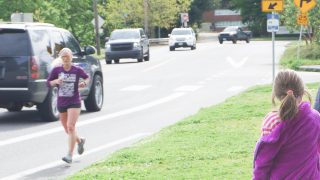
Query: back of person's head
[[289, 89]]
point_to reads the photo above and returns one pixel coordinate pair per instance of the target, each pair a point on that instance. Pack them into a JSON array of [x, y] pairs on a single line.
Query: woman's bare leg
[[73, 115]]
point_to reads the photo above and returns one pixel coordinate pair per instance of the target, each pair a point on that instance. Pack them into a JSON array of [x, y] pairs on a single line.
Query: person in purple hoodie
[[291, 149], [66, 77]]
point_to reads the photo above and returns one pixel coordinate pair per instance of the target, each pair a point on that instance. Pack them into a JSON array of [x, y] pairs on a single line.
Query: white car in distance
[[182, 37]]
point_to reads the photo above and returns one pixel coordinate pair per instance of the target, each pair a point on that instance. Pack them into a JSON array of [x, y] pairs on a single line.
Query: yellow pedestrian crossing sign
[[272, 5], [305, 5], [303, 19]]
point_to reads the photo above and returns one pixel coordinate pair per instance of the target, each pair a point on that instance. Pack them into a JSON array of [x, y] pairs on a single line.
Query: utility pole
[[145, 5], [96, 26]]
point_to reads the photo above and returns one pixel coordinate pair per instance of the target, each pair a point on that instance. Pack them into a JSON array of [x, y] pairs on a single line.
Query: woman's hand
[[82, 84], [56, 82]]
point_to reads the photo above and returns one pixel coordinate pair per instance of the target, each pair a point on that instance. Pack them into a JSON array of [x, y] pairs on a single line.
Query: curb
[[313, 68]]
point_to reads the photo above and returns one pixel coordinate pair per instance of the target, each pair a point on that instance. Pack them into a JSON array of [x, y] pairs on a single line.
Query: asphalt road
[[140, 99]]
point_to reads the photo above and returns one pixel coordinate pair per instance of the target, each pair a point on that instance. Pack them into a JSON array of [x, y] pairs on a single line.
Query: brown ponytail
[[288, 107], [289, 89]]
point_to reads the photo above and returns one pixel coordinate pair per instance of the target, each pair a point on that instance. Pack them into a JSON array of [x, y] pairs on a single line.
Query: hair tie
[[289, 92]]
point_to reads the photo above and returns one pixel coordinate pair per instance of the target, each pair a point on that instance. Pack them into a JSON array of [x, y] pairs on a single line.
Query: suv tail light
[[34, 68]]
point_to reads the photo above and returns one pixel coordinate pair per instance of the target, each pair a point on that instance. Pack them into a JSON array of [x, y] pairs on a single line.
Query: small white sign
[[272, 22], [100, 21]]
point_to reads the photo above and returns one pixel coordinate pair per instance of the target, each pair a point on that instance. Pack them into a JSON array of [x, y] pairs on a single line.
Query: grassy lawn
[[215, 143], [309, 55]]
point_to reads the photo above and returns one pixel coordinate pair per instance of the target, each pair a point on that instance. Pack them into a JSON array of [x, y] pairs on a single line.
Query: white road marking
[[94, 120], [86, 153], [235, 88], [156, 66], [201, 82], [237, 64], [135, 88], [188, 88]]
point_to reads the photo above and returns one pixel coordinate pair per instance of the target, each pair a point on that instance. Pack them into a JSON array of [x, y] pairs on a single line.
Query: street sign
[[302, 19], [184, 17], [305, 5], [272, 5], [272, 22], [100, 21]]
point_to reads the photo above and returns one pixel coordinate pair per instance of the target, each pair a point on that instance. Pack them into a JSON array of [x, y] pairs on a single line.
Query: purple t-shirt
[[68, 92]]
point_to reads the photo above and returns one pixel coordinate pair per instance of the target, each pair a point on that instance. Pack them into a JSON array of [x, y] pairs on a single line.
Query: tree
[[130, 13], [251, 15], [197, 7]]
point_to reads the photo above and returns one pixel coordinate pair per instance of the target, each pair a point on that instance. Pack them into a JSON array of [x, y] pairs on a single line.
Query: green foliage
[[68, 14], [130, 13], [309, 55]]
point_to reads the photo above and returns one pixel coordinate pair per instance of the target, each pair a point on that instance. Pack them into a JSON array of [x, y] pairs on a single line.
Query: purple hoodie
[[291, 150]]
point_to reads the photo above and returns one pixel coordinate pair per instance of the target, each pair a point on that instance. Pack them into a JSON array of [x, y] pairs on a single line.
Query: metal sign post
[[273, 53], [273, 26]]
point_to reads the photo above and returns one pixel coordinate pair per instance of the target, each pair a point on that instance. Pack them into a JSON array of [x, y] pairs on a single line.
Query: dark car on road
[[127, 43], [234, 34], [27, 51]]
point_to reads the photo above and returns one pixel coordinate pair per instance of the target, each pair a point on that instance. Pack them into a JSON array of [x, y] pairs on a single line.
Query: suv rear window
[[181, 32], [14, 42]]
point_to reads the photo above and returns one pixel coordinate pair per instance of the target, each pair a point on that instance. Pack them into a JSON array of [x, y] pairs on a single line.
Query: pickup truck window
[[125, 35]]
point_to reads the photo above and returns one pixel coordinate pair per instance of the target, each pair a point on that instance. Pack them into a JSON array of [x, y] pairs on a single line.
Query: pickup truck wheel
[[15, 108], [147, 58], [94, 101], [172, 48], [108, 61], [234, 41], [48, 109], [140, 58], [116, 61]]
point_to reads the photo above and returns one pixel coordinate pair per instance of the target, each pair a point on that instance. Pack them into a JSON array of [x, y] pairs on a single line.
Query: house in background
[[218, 19]]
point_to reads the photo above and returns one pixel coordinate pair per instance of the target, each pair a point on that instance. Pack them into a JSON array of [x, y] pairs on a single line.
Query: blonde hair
[[287, 87], [65, 51]]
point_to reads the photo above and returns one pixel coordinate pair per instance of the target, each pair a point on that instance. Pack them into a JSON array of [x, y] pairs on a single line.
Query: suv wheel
[[147, 58], [116, 61], [94, 101], [15, 108], [172, 48], [247, 40], [220, 41], [48, 109]]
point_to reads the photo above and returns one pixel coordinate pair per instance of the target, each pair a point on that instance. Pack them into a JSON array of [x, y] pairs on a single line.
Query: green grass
[[309, 55], [215, 143]]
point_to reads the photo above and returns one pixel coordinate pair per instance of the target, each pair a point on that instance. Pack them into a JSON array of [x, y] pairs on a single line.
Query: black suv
[[26, 54], [127, 43]]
